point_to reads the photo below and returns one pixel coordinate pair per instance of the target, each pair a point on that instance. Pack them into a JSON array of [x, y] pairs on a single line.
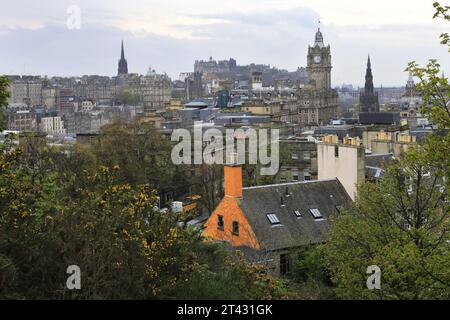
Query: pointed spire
[[123, 65], [369, 77], [122, 55], [368, 99]]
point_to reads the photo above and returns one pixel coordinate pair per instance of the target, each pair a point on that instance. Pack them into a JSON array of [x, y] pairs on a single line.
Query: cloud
[[299, 16], [171, 35]]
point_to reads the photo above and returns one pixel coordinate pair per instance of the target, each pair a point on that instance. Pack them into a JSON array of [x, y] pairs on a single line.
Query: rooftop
[[292, 214]]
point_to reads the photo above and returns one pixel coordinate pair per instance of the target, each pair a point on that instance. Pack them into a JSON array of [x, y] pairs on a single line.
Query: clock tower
[[317, 102], [319, 64]]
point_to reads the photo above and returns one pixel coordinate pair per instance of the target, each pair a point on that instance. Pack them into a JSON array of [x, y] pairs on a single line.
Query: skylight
[[273, 218], [297, 213], [316, 214]]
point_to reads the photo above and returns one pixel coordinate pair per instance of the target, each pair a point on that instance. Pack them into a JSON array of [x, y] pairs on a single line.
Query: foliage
[[402, 222], [127, 97], [75, 206], [399, 224], [443, 12], [310, 274], [231, 277], [124, 247], [4, 95]]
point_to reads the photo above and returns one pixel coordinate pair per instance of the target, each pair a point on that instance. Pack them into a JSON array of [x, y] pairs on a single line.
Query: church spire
[[369, 98], [369, 77], [123, 64]]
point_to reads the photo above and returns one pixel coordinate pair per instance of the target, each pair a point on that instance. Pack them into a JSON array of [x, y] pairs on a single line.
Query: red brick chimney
[[233, 180], [233, 177]]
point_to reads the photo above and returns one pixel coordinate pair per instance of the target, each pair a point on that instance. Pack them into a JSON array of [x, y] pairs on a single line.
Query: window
[[316, 214], [235, 228], [273, 219], [306, 155], [297, 213], [307, 175], [284, 264], [220, 222], [294, 156], [295, 174], [336, 151]]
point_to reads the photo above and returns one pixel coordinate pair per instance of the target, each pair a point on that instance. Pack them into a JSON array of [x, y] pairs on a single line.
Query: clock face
[[317, 59]]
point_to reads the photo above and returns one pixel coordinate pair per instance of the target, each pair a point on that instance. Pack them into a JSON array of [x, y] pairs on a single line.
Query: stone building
[[311, 105], [53, 126], [298, 160], [343, 161], [318, 102], [20, 117], [155, 91], [28, 91]]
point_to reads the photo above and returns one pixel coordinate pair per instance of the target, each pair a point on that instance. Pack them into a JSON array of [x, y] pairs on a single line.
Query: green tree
[[4, 95], [127, 97], [309, 277], [402, 222], [443, 12], [224, 275]]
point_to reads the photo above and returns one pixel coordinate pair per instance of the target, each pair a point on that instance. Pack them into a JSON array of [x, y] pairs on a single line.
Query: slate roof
[[377, 160], [375, 165], [324, 195]]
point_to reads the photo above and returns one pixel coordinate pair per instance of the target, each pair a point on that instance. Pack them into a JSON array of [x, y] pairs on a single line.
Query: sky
[[44, 38]]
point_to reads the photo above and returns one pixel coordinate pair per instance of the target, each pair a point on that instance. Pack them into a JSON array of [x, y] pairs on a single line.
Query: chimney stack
[[233, 179]]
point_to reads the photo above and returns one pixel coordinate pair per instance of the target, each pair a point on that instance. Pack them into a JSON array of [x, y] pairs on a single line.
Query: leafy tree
[[209, 185], [401, 225], [127, 97], [228, 276], [402, 222], [309, 276], [4, 95], [77, 206], [443, 12]]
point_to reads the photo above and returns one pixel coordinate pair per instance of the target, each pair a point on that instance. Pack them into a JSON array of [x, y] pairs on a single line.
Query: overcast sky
[[170, 35]]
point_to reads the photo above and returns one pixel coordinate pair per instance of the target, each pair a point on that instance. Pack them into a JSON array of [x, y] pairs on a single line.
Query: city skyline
[[170, 36]]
